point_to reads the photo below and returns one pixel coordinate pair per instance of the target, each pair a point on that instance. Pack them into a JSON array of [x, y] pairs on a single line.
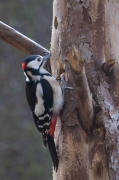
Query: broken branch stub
[[85, 106], [108, 66], [75, 60]]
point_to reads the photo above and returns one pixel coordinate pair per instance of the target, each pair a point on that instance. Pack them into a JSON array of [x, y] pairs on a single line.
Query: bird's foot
[[63, 85]]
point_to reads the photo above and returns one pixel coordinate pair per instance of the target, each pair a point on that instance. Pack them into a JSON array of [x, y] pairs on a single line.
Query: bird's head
[[32, 65]]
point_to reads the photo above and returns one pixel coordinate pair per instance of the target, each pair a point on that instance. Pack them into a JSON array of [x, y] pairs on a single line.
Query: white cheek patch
[[34, 64], [39, 108]]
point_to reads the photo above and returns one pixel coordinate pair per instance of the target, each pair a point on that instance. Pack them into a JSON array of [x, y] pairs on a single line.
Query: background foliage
[[22, 155]]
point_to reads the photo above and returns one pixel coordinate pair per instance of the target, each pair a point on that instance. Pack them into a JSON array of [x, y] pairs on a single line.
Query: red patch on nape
[[24, 65], [52, 126]]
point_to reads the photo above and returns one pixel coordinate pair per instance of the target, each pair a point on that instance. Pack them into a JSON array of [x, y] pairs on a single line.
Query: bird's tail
[[53, 152], [44, 137]]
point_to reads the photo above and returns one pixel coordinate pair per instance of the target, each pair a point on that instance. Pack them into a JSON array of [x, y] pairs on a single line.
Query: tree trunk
[[84, 46]]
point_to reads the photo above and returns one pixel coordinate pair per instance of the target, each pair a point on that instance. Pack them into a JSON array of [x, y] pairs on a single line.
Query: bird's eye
[[38, 59]]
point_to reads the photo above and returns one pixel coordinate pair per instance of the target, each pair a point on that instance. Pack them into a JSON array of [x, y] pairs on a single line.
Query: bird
[[44, 96]]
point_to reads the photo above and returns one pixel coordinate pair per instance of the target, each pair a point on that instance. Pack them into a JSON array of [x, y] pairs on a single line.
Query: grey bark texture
[[87, 145]]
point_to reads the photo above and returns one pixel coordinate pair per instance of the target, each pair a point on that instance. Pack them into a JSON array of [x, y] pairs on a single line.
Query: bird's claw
[[63, 84]]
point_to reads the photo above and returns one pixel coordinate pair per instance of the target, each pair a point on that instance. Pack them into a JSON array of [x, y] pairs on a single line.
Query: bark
[[92, 27], [85, 106]]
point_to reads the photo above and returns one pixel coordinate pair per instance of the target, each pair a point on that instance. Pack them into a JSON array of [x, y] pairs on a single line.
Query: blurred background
[[22, 155]]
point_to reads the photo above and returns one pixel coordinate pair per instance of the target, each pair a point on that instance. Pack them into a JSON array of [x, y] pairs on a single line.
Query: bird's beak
[[45, 58], [24, 66]]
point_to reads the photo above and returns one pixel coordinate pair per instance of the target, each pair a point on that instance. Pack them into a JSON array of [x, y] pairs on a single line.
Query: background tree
[[22, 155], [84, 48]]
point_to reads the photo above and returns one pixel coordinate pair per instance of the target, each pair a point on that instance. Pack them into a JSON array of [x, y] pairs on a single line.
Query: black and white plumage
[[45, 99]]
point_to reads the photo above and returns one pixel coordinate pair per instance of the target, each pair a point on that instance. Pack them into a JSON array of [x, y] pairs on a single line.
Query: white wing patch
[[43, 117], [50, 109], [40, 126], [46, 124], [39, 108]]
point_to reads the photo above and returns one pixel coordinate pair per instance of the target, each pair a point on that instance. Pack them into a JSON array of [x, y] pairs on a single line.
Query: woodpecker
[[44, 96]]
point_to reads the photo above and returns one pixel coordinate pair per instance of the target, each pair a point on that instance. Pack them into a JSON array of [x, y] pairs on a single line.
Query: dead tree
[[84, 48]]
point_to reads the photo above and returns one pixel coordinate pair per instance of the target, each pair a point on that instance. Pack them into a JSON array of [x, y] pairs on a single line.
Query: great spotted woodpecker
[[45, 99]]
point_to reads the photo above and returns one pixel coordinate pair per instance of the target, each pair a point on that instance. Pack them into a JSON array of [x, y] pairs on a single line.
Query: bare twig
[[85, 105]]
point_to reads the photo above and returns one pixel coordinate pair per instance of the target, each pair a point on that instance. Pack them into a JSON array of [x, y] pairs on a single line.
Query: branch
[[85, 105], [21, 42]]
